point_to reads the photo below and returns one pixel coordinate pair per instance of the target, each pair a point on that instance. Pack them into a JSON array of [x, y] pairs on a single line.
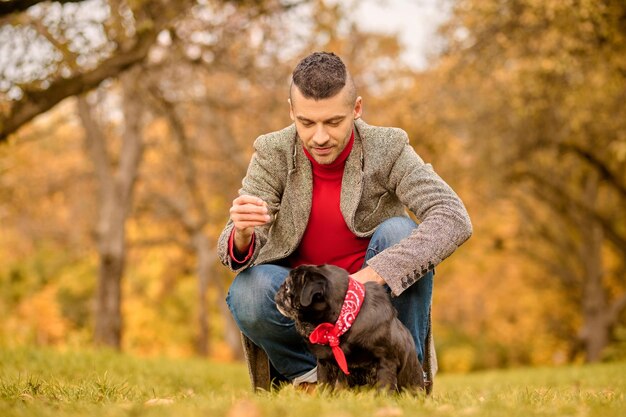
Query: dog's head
[[312, 293]]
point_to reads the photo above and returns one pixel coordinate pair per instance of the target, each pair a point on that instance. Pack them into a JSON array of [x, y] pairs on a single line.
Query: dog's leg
[[386, 375], [411, 375], [341, 381], [327, 373]]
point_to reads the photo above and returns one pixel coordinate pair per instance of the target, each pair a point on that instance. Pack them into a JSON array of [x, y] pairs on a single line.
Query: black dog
[[378, 348]]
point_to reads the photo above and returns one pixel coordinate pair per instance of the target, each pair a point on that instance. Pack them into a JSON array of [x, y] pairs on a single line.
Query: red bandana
[[328, 334]]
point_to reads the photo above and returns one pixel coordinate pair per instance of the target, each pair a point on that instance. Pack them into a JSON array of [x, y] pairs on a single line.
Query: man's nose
[[321, 135]]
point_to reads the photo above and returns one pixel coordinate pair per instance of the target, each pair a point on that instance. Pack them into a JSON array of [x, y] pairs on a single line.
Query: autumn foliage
[[521, 112]]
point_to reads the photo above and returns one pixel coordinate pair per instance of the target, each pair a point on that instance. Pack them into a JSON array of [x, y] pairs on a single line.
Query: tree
[[72, 68], [209, 122], [8, 7], [540, 85], [116, 189]]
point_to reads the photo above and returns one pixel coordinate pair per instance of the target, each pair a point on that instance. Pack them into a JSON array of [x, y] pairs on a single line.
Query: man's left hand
[[368, 274]]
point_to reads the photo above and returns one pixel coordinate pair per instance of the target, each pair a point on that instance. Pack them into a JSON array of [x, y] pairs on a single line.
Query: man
[[332, 189]]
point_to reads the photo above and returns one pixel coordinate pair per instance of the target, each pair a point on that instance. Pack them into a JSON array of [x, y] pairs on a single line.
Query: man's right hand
[[246, 213]]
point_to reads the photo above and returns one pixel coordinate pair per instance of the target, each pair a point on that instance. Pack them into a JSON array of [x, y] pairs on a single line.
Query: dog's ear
[[314, 284]]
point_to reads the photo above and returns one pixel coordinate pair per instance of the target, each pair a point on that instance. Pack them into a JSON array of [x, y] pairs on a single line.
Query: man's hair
[[321, 75]]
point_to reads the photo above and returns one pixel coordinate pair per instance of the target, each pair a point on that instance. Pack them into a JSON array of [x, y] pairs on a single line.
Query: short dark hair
[[321, 75]]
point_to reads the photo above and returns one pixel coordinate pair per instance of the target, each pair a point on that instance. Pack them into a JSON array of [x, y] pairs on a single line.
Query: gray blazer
[[383, 175]]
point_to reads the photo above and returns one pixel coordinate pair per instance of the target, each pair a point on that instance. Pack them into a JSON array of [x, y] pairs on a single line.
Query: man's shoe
[[307, 387]]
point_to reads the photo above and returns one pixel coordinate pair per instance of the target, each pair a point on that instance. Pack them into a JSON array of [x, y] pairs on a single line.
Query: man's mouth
[[323, 151]]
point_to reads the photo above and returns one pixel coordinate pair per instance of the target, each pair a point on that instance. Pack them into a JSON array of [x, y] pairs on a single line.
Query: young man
[[332, 189]]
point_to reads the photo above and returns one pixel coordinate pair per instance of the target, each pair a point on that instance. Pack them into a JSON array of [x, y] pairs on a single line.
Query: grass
[[41, 382]]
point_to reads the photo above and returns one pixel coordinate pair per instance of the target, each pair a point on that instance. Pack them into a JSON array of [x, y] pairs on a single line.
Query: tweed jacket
[[383, 176]]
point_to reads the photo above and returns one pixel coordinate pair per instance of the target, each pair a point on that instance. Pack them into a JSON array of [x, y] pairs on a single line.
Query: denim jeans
[[251, 301]]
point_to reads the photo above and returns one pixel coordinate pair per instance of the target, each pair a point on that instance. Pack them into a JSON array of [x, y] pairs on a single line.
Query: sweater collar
[[337, 164]]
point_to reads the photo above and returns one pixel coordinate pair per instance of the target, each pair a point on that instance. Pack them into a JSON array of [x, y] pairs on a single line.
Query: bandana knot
[[329, 334]]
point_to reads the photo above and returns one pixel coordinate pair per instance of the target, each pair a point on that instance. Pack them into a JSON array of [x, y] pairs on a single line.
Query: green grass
[[48, 383]]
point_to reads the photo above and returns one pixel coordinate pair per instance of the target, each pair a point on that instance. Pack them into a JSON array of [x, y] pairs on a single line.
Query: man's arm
[[444, 226], [251, 212], [246, 213]]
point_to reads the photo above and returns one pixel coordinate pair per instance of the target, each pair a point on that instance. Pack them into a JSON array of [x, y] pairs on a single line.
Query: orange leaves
[[38, 319]]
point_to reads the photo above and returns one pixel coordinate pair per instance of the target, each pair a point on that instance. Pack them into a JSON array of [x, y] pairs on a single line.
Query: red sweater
[[327, 238]]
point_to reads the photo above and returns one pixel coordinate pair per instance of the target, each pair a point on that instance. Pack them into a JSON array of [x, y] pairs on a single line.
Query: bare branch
[[8, 7], [95, 144], [190, 175], [36, 102], [599, 165], [132, 145], [151, 18], [555, 192]]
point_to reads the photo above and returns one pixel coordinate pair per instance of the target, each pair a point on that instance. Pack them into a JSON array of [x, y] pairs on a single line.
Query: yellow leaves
[[541, 73], [221, 352], [38, 319], [490, 303], [530, 59], [618, 148], [458, 359], [152, 322]]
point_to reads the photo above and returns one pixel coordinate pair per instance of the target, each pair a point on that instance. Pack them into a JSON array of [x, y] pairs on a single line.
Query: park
[[126, 128]]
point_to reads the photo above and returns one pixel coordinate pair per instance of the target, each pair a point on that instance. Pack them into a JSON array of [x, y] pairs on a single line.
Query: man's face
[[324, 126]]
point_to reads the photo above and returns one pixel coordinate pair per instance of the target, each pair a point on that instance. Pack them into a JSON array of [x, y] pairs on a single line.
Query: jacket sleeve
[[263, 180], [444, 226]]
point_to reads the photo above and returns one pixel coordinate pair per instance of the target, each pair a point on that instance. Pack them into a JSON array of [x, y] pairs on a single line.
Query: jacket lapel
[[352, 182], [300, 188]]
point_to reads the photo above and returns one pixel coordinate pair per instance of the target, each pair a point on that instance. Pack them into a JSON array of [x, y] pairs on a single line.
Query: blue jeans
[[251, 301]]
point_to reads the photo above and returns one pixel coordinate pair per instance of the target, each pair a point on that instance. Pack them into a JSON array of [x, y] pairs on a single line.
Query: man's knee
[[397, 226], [392, 231], [251, 295]]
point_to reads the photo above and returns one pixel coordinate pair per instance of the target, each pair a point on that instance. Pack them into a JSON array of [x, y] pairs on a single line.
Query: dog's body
[[379, 349]]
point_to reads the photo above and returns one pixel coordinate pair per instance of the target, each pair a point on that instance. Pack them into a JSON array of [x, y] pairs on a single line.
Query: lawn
[[41, 382]]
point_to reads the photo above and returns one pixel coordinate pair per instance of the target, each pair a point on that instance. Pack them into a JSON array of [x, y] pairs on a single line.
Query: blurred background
[[126, 128]]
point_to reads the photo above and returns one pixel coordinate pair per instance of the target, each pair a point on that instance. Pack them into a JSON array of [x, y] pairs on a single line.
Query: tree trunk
[[205, 257], [108, 326], [194, 225], [116, 189], [596, 328]]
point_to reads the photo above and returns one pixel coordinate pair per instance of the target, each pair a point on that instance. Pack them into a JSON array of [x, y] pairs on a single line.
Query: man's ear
[[293, 116], [358, 108], [315, 284]]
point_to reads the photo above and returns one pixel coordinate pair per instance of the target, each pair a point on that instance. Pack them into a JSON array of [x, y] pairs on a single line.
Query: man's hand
[[247, 212], [368, 274]]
